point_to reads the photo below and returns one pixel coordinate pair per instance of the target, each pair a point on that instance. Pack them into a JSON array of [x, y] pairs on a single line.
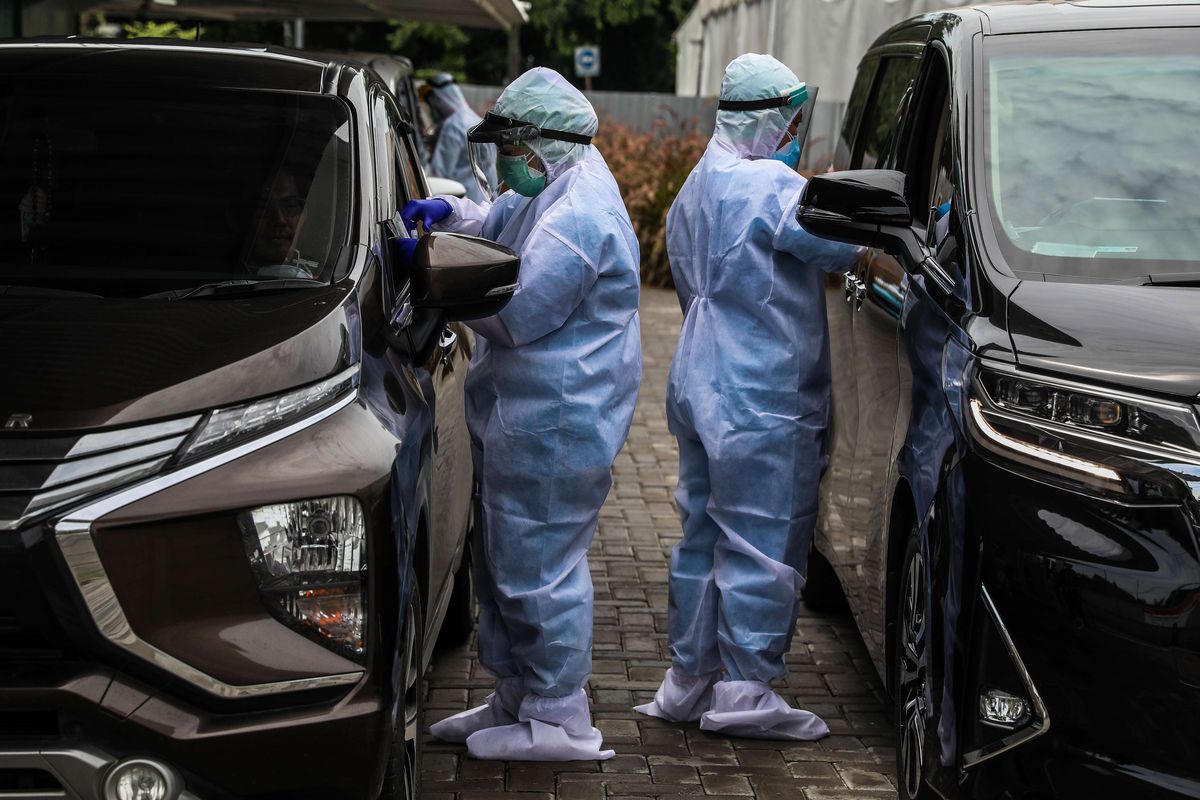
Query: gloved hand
[[405, 247], [428, 212]]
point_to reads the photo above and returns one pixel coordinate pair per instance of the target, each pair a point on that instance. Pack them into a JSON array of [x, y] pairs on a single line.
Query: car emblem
[[19, 421]]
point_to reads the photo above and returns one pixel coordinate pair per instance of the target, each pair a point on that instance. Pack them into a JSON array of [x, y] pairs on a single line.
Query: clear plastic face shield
[[503, 156], [802, 99]]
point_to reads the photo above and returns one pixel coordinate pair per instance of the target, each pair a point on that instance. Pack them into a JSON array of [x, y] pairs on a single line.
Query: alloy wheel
[[410, 717], [912, 679]]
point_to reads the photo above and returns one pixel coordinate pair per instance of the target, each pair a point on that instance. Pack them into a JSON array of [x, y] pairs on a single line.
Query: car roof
[[1029, 16], [241, 66]]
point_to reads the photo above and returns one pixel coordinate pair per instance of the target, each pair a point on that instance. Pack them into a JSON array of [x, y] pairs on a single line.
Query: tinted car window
[[854, 109], [895, 76], [132, 190], [1090, 151]]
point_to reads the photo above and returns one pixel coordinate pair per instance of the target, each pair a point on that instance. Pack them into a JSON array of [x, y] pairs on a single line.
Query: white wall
[[821, 40]]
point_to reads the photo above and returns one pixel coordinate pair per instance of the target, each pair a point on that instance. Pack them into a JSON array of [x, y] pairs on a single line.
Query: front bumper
[[1100, 600], [157, 645]]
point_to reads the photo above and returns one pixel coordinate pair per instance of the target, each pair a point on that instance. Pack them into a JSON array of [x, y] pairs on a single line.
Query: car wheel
[[909, 673], [402, 780], [460, 613], [822, 592]]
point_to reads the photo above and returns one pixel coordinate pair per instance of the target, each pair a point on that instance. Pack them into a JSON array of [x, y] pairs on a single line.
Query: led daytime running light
[[227, 425], [1040, 453]]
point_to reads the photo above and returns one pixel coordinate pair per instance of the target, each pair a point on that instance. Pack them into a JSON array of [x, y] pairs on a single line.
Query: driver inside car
[[279, 219]]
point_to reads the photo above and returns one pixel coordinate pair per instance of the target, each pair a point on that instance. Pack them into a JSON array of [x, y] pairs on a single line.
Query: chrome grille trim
[[43, 477]]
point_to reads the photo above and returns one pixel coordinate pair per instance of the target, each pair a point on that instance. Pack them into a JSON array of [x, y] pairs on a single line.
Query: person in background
[[550, 398], [748, 401], [450, 158]]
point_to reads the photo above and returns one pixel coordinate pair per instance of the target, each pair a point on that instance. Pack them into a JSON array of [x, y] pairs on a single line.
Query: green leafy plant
[[150, 29], [650, 168]]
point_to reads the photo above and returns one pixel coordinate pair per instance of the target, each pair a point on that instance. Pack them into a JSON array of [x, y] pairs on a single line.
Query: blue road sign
[[587, 61]]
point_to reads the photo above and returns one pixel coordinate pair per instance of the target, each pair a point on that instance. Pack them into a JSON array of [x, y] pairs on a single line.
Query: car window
[[131, 191], [896, 74], [1090, 153], [943, 176], [387, 175], [854, 109], [925, 130]]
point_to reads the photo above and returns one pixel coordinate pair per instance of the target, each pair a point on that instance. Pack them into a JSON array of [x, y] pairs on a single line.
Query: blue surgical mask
[[519, 176], [789, 155]]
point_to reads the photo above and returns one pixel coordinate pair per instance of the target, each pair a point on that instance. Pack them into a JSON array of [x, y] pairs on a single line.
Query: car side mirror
[[865, 207], [464, 277]]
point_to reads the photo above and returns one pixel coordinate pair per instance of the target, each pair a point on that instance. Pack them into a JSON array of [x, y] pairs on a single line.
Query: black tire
[[402, 781], [909, 674], [460, 612], [822, 592]]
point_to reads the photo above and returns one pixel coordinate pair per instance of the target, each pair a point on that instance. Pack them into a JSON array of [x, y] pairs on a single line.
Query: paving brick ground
[[829, 672]]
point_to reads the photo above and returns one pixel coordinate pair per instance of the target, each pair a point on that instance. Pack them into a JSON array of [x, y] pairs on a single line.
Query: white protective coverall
[[550, 398], [451, 158], [748, 402]]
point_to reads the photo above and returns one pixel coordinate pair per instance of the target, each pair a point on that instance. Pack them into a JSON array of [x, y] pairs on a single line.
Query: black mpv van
[[1012, 494], [235, 475]]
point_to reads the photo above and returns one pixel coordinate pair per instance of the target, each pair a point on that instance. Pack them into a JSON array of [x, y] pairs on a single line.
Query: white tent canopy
[[821, 40], [469, 13]]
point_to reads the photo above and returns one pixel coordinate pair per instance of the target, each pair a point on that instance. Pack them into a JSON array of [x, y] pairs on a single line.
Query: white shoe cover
[[681, 697], [499, 709], [753, 709], [550, 729]]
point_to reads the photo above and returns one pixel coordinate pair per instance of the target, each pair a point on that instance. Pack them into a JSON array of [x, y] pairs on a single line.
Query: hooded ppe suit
[[450, 158], [747, 400], [550, 398]]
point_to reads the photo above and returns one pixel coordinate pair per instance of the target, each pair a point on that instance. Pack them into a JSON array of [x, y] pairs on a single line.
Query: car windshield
[[1091, 163], [128, 191]]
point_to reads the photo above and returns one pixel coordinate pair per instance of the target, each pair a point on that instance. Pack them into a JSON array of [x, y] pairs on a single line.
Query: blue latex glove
[[405, 247], [428, 212]]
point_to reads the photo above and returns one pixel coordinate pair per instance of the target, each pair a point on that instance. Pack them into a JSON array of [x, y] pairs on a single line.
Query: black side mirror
[[464, 277], [865, 207]]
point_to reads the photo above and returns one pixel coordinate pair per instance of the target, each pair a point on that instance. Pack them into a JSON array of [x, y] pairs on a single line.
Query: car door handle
[[447, 343], [856, 290]]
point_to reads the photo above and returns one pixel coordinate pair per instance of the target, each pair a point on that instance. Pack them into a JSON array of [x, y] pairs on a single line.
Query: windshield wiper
[[1164, 279], [236, 287], [43, 291]]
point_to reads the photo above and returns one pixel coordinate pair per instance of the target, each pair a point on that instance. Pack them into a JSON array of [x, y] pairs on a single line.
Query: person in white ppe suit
[[550, 398], [450, 158], [747, 400]]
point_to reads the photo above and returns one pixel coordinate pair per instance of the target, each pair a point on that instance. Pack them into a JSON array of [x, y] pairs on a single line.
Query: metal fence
[[671, 114]]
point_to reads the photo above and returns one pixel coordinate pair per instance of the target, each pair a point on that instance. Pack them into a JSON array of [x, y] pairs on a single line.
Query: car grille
[[29, 631], [39, 474]]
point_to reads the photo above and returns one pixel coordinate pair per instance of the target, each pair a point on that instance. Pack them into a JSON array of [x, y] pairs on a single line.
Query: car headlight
[[1104, 439], [309, 559], [227, 426]]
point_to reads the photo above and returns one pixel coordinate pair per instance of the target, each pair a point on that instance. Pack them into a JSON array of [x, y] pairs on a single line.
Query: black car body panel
[[1078, 597]]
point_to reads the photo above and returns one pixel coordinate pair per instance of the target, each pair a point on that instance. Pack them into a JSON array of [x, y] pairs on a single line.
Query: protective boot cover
[[754, 710], [499, 709], [681, 697], [550, 729]]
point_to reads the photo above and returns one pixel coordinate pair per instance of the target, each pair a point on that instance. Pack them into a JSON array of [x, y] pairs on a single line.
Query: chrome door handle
[[856, 291], [447, 342]]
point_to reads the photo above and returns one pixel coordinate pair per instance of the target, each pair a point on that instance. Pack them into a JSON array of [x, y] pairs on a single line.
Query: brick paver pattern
[[829, 671]]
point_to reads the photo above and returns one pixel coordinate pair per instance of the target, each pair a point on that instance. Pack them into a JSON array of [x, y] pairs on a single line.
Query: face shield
[[791, 143], [498, 144]]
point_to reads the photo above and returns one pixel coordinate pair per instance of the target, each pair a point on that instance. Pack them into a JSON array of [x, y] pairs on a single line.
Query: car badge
[[19, 421]]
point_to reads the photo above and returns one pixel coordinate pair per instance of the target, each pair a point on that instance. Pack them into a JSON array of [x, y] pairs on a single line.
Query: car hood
[[79, 363], [1140, 337]]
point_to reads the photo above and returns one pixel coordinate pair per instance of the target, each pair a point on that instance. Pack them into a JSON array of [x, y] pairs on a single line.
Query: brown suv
[[235, 478]]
